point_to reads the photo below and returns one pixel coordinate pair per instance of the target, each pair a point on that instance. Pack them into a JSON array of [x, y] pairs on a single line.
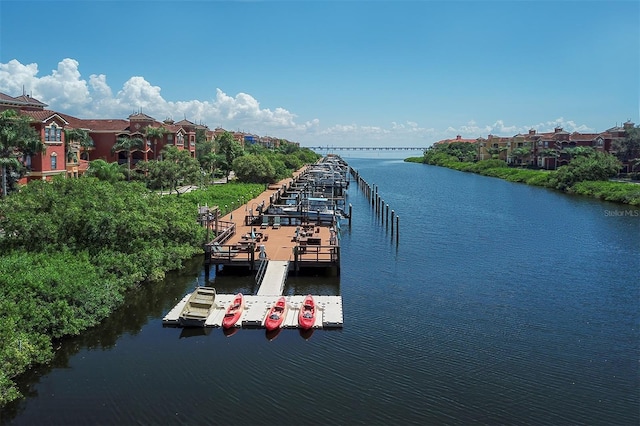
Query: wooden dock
[[243, 238]]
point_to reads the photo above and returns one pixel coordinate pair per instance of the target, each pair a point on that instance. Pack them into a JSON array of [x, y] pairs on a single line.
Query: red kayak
[[234, 311], [307, 315], [275, 316]]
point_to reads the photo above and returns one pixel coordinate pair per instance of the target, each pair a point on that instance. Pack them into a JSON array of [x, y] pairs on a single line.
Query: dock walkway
[[274, 278]]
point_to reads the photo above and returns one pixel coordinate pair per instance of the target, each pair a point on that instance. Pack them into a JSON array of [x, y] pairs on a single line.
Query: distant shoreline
[[613, 191]]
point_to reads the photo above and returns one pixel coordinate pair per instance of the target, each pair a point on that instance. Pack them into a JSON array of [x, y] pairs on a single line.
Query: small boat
[[275, 316], [307, 314], [233, 312], [198, 307]]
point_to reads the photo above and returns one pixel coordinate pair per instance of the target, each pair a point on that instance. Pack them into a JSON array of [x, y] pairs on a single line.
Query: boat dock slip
[[329, 311], [274, 277], [263, 228]]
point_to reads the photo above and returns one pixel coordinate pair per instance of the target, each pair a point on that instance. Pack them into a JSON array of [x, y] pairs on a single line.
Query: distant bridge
[[366, 148]]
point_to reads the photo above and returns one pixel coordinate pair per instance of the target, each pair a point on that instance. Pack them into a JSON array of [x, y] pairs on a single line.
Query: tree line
[[588, 173], [169, 168]]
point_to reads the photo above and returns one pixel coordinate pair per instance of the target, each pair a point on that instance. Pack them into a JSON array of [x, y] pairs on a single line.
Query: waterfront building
[[67, 158], [548, 150]]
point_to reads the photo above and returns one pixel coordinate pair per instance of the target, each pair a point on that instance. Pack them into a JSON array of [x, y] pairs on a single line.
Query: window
[[180, 138], [53, 133], [54, 161]]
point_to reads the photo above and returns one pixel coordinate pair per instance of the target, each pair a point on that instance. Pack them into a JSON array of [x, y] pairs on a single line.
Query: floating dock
[[328, 311]]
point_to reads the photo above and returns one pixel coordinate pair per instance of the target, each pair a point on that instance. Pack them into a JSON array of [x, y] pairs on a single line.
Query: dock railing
[[318, 253], [261, 270]]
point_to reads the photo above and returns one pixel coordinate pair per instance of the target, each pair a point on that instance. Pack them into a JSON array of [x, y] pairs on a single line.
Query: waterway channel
[[501, 303]]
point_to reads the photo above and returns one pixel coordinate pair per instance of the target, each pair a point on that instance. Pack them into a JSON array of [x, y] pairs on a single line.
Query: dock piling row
[[378, 205]]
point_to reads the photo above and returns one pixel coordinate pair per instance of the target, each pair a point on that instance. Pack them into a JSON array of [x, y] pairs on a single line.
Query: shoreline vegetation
[[571, 180], [73, 248]]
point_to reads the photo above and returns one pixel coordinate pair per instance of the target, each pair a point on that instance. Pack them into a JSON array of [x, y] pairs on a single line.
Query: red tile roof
[[43, 115]]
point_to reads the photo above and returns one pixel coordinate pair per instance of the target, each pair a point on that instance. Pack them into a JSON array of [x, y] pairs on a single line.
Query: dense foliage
[[17, 139], [587, 173], [71, 248], [177, 168]]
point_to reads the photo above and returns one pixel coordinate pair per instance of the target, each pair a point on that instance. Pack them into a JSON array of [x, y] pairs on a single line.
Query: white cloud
[[14, 77], [499, 128], [65, 90]]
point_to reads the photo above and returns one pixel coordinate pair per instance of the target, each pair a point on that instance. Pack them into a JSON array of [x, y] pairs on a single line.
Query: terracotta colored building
[[545, 150], [62, 158]]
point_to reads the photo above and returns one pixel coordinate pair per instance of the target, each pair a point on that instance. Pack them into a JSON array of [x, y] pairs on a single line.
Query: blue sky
[[355, 73]]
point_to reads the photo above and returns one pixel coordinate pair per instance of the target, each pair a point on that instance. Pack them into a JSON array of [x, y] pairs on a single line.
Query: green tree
[[17, 138], [206, 155], [128, 145], [154, 134], [78, 141], [597, 166], [176, 168], [578, 151], [628, 149], [254, 169], [230, 149], [109, 172], [496, 151], [522, 154]]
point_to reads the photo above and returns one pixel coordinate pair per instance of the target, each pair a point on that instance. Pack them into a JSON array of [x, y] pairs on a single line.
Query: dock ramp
[[275, 275]]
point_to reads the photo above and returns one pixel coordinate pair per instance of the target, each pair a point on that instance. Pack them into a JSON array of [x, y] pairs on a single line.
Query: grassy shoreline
[[617, 192]]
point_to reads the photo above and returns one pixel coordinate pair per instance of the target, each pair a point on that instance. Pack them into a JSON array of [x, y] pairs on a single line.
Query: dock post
[[397, 229], [387, 215], [207, 260], [393, 214], [350, 213], [374, 195]]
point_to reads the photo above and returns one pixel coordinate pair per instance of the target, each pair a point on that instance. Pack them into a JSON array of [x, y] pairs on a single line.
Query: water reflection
[[149, 300], [228, 332], [306, 334], [272, 334], [194, 332]]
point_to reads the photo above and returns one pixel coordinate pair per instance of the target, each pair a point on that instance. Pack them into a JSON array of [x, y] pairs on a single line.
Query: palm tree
[[110, 172], [522, 153], [155, 133], [17, 138], [128, 145], [550, 153], [496, 151], [79, 140]]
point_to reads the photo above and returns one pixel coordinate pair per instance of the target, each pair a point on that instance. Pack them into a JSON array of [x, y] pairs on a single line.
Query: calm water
[[501, 304]]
